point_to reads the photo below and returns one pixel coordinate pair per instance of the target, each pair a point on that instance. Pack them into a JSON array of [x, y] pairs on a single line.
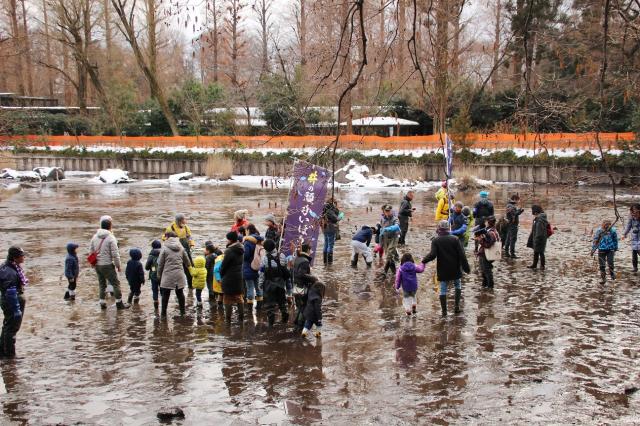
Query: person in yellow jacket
[[217, 280], [180, 228], [442, 211], [442, 191], [199, 277]]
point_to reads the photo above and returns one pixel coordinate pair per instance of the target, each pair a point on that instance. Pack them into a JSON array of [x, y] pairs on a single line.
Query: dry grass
[[219, 167], [7, 161], [410, 172], [465, 181]]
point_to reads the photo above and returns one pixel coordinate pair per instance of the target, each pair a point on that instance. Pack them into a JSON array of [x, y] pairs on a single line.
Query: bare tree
[[146, 56], [11, 7], [47, 40], [262, 8], [26, 45]]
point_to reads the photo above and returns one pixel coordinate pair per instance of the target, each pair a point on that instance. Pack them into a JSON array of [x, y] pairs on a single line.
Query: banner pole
[[284, 218]]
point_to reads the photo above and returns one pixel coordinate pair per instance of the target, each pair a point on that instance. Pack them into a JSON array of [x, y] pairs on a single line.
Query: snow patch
[[181, 177], [21, 176], [114, 176]]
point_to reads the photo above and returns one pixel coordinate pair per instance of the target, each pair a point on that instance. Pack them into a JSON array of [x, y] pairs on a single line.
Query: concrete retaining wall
[[157, 168]]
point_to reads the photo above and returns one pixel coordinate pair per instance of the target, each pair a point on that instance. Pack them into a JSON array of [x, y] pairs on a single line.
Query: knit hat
[[484, 194], [240, 214], [15, 252], [443, 224], [269, 245], [156, 244], [466, 211], [536, 209], [106, 218], [232, 236], [270, 218]]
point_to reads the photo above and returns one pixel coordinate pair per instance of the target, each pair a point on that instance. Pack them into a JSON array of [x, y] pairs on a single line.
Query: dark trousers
[[404, 228], [134, 289], [166, 294], [155, 289], [634, 258], [301, 303], [199, 294], [512, 236], [605, 257], [276, 298], [72, 284], [538, 256], [486, 268], [10, 327]]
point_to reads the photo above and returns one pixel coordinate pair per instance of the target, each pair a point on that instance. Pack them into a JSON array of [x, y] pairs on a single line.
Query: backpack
[[257, 258], [275, 277], [153, 273], [549, 230], [494, 251]]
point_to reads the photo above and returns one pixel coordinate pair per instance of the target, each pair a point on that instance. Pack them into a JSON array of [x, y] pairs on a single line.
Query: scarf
[[23, 278]]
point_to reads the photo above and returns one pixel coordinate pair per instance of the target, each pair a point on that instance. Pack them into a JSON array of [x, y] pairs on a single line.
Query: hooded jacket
[[406, 210], [273, 265], [513, 214], [390, 226], [134, 271], [217, 278], [330, 218], [538, 237], [442, 210], [451, 258], [198, 273], [483, 208], [633, 226], [152, 264], [231, 270], [605, 240], [302, 271], [71, 264], [458, 223], [9, 278], [108, 254], [171, 265], [407, 277], [250, 243]]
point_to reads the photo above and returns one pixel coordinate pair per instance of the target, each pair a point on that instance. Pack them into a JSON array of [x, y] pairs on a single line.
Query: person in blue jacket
[[71, 271], [458, 222], [389, 235], [605, 241], [12, 283], [360, 246]]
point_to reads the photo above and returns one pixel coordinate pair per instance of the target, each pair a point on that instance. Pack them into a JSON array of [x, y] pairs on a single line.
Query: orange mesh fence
[[551, 141]]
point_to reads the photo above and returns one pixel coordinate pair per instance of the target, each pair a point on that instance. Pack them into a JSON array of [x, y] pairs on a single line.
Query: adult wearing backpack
[[252, 249], [481, 211], [273, 279], [538, 237], [105, 245]]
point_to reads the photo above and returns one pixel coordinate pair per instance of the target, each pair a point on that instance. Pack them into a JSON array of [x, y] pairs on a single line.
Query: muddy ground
[[543, 347]]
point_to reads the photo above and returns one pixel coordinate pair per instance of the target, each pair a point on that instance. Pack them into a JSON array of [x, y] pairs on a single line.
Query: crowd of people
[[251, 272]]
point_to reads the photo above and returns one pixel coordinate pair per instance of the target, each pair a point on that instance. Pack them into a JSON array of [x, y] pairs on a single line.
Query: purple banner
[[306, 200]]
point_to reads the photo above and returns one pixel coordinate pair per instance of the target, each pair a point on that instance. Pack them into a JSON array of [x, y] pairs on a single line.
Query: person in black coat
[[211, 252], [135, 275], [12, 302], [313, 310], [452, 261], [406, 211], [232, 280], [302, 281]]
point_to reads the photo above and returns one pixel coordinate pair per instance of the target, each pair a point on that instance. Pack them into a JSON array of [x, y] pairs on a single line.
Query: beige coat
[[171, 263]]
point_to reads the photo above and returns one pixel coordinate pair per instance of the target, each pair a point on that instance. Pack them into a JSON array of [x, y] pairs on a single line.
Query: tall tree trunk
[[216, 41], [345, 108], [517, 58], [152, 48], [402, 29], [496, 43], [17, 45], [455, 49], [381, 43], [441, 66], [48, 48], [302, 33], [65, 67], [108, 35], [26, 44]]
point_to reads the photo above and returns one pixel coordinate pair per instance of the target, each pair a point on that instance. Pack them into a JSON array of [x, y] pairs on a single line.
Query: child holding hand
[[407, 279]]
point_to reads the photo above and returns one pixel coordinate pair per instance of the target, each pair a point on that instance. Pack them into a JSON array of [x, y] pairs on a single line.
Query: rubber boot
[[325, 257], [457, 300], [271, 317], [136, 300], [354, 261], [542, 261], [285, 317], [603, 277], [120, 305], [386, 267], [240, 312], [259, 303], [66, 295], [369, 264], [392, 266], [534, 265], [443, 305], [330, 258], [228, 310], [155, 305], [130, 298]]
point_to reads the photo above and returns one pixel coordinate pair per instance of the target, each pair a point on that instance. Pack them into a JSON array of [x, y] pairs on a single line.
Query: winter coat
[[231, 270], [406, 209], [605, 240], [490, 238], [273, 265], [364, 235], [209, 263], [172, 261], [407, 277], [272, 233], [240, 223], [458, 223], [302, 271], [441, 193], [467, 234], [538, 237], [71, 264], [184, 235], [313, 309], [633, 226], [9, 278], [483, 209], [134, 271], [198, 273], [330, 218], [451, 258], [217, 278], [108, 254], [442, 210], [513, 214], [390, 226], [152, 264], [250, 243]]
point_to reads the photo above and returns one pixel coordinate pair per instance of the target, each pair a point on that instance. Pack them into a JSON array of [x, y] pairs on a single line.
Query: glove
[[11, 297], [341, 216]]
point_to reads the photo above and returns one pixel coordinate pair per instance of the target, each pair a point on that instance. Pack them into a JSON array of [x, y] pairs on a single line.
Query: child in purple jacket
[[407, 278]]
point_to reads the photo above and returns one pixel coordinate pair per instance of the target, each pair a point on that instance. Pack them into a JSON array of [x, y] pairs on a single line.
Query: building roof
[[381, 121]]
